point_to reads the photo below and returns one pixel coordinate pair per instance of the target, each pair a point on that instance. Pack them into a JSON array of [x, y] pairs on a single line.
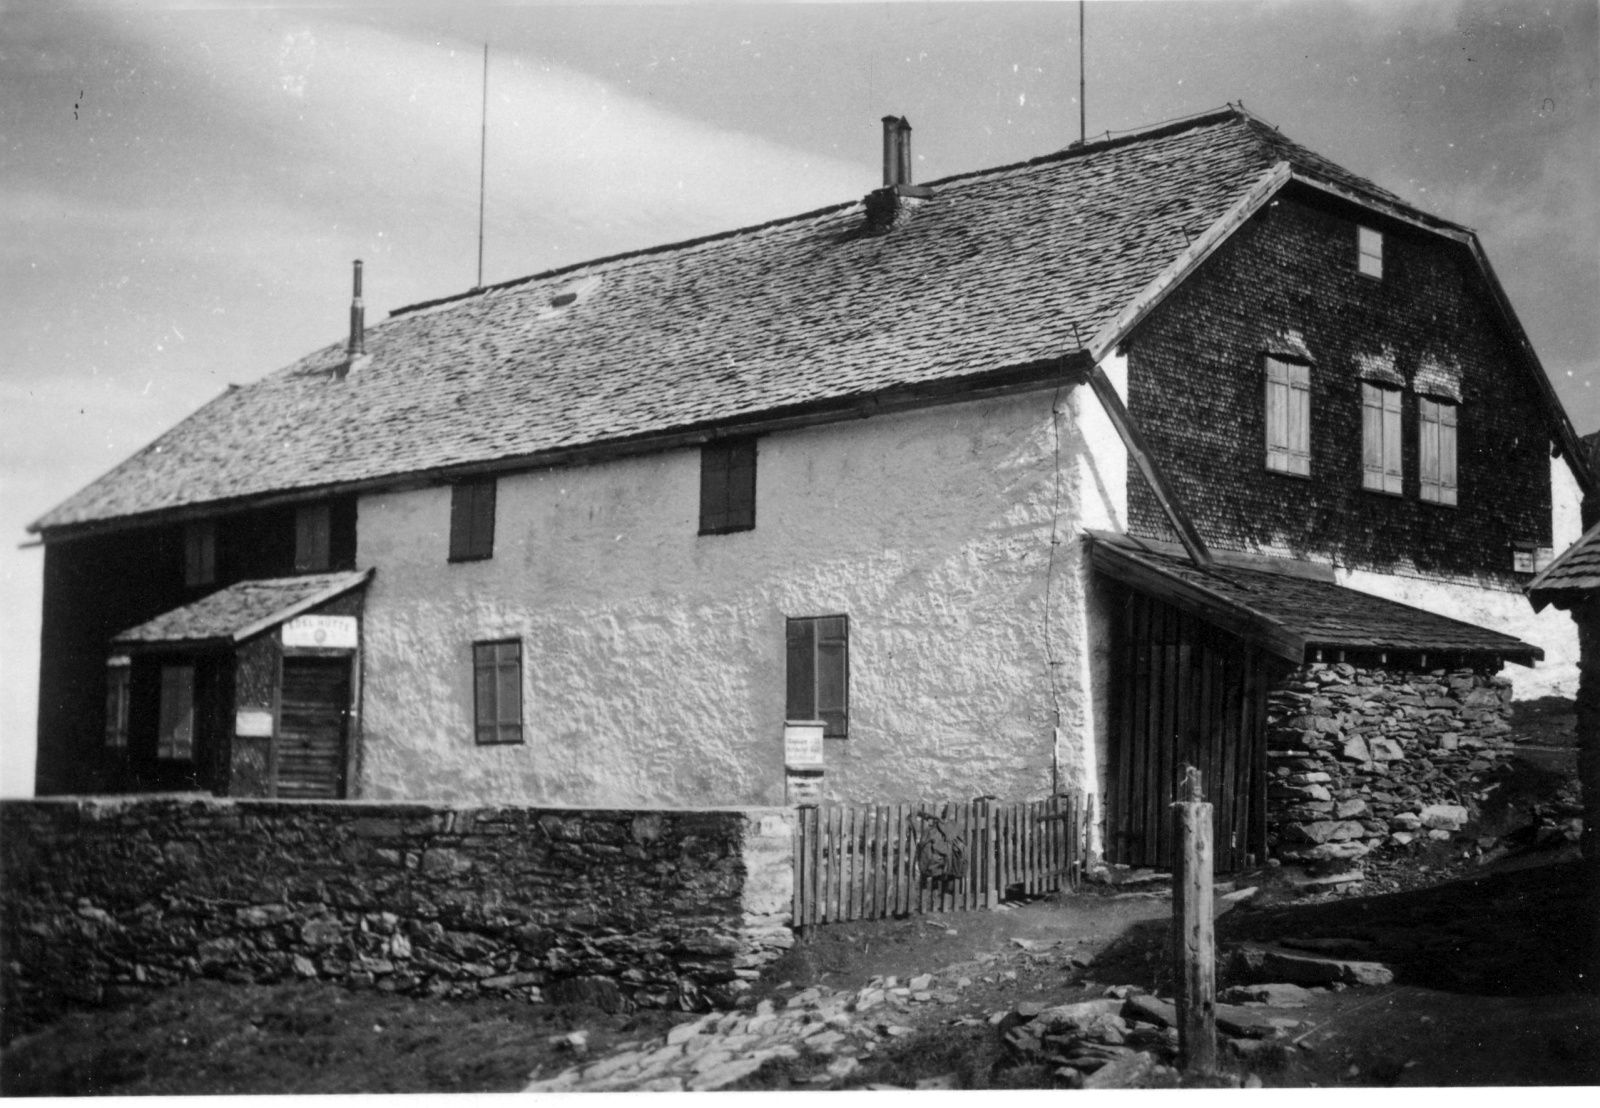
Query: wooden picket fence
[[861, 862]]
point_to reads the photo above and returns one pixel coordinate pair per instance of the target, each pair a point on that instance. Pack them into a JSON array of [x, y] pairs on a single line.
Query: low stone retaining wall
[[107, 897], [1361, 758]]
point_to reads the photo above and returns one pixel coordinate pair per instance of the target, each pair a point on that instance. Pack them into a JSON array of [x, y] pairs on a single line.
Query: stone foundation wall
[[1361, 758], [105, 898]]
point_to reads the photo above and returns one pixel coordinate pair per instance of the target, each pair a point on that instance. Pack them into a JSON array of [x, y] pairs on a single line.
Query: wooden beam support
[[1194, 930], [1148, 467]]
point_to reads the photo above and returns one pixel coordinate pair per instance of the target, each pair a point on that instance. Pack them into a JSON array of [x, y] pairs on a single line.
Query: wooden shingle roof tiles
[[1008, 267], [241, 610]]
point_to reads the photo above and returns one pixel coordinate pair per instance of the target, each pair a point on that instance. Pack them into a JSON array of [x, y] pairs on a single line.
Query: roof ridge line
[[1124, 138]]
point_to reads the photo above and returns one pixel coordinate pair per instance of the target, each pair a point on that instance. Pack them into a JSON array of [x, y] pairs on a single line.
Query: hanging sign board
[[253, 723], [805, 790], [338, 632], [802, 744]]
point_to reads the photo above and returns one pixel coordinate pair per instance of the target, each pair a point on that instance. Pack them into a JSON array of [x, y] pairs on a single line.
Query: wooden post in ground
[[1194, 940]]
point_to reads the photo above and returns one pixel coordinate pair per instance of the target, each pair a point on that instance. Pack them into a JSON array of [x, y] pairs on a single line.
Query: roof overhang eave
[[1236, 619], [1071, 367]]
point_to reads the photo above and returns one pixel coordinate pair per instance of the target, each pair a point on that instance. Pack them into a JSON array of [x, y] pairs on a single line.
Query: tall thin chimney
[[358, 318], [896, 151], [891, 150]]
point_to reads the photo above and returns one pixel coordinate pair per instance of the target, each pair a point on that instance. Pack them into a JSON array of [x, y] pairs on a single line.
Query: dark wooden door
[[312, 727], [1184, 692]]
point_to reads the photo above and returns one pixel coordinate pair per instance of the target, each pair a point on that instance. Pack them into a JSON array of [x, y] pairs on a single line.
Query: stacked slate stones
[[1363, 758]]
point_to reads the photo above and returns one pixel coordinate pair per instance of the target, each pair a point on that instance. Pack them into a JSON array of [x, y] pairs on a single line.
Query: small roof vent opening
[[572, 293]]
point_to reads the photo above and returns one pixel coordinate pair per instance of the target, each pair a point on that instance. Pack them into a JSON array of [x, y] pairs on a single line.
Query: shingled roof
[[1574, 575], [1013, 267], [1294, 608], [241, 610]]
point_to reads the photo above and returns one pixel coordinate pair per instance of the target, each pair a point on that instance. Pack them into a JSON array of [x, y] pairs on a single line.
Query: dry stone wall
[[107, 898], [1363, 758]]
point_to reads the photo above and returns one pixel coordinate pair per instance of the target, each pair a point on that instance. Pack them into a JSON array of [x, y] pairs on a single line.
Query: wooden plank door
[[313, 728], [1183, 693]]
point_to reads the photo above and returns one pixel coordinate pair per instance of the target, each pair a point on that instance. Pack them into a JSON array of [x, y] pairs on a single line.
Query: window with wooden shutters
[[1380, 440], [1369, 251], [472, 520], [819, 673], [311, 531], [497, 692], [175, 738], [117, 674], [200, 554], [727, 487], [1437, 449], [1289, 417]]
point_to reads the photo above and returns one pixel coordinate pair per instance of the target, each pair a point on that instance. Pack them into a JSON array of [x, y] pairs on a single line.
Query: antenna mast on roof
[[1083, 131], [483, 155]]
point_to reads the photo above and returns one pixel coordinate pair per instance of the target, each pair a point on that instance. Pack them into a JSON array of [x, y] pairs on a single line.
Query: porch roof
[[242, 610], [1290, 608]]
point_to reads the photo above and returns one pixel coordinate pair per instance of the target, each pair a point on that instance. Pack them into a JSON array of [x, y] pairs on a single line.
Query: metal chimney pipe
[[904, 176], [891, 150], [358, 318]]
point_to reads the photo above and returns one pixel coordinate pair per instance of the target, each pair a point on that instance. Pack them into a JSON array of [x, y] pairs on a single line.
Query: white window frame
[[1437, 438], [1382, 468], [1369, 251], [1288, 411], [119, 673]]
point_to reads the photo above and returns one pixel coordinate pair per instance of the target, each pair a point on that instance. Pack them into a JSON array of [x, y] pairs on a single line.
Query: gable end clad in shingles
[[1003, 269]]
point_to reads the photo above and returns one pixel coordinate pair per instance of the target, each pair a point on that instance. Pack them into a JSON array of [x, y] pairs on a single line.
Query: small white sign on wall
[[253, 723], [338, 632], [805, 790], [802, 744]]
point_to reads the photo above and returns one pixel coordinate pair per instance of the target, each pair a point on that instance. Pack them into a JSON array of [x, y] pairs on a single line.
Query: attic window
[[1369, 251], [563, 299]]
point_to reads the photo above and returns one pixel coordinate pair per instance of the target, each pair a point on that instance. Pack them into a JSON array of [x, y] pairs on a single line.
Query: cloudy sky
[[183, 186]]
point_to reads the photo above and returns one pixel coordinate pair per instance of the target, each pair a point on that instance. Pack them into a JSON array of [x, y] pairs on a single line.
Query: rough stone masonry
[[108, 897], [1362, 758]]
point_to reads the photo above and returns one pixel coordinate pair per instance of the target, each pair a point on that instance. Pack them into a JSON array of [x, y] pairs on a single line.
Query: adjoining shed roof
[[241, 610], [1007, 269], [1291, 608], [1574, 575]]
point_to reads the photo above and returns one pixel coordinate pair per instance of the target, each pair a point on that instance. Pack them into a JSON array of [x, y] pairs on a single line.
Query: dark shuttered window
[[727, 487], [497, 691], [819, 672], [200, 554], [311, 533], [117, 674], [175, 739], [472, 520]]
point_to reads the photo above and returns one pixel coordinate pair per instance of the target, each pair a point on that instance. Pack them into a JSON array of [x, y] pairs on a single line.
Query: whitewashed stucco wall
[[1501, 609], [653, 669]]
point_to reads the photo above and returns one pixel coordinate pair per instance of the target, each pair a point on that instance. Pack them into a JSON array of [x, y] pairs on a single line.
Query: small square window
[[200, 554], [311, 533], [728, 487], [497, 692], [1369, 251], [819, 673], [472, 506]]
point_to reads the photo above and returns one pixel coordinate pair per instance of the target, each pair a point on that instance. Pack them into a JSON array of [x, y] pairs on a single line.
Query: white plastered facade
[[653, 657]]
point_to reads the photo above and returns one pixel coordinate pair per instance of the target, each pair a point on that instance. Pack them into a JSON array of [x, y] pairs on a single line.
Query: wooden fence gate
[[877, 861]]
